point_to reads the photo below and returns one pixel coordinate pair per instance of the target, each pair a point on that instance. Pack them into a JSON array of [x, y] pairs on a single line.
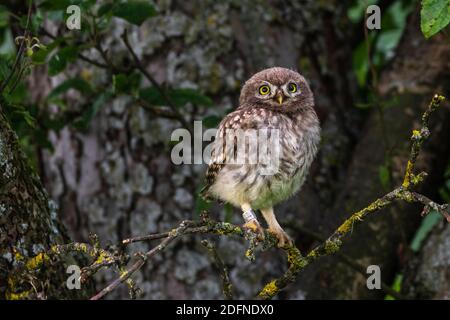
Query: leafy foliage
[[382, 43], [59, 61]]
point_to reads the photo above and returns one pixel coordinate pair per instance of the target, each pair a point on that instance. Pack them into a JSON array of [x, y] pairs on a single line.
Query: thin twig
[[80, 55]]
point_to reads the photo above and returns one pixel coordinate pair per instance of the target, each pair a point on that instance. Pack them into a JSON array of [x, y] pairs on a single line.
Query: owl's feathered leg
[[275, 227], [251, 222]]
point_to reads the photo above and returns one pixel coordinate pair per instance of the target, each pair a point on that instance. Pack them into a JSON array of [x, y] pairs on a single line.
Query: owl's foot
[[282, 236], [255, 227]]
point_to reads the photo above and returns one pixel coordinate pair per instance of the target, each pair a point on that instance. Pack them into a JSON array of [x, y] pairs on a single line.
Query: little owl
[[278, 104]]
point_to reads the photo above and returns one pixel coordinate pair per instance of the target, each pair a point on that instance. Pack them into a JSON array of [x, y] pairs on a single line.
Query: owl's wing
[[239, 119]]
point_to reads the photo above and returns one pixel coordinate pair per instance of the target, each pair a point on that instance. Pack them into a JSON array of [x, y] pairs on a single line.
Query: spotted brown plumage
[[277, 104]]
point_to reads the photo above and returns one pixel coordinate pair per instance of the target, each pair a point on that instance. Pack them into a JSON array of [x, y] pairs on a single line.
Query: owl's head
[[278, 89]]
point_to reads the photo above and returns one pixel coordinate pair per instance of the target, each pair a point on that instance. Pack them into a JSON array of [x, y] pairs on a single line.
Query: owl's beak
[[280, 98]]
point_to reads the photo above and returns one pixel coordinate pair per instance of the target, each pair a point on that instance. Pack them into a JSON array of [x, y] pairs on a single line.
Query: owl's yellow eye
[[292, 87], [264, 89]]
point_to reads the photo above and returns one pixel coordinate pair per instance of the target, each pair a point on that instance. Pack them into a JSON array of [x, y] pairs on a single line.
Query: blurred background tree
[[94, 110]]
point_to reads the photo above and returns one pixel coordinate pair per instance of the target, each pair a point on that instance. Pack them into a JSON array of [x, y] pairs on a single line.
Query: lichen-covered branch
[[297, 262], [142, 258], [417, 138]]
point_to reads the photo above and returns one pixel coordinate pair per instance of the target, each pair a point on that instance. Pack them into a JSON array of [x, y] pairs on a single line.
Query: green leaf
[[22, 114], [211, 121], [178, 96], [58, 62], [42, 53], [134, 11], [69, 53], [360, 64], [396, 286], [119, 83], [51, 5], [78, 84], [126, 83], [182, 96], [105, 9], [357, 11], [36, 20], [18, 96], [425, 228], [7, 45], [388, 40], [434, 16], [86, 117], [40, 56], [151, 95]]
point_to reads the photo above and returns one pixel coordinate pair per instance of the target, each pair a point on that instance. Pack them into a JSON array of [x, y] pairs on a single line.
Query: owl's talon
[[255, 227], [283, 238]]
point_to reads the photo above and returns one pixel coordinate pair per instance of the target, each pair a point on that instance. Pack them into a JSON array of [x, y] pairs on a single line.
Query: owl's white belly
[[258, 190], [238, 184]]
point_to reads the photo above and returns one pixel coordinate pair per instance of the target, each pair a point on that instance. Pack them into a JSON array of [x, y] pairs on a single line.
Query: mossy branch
[[297, 262]]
